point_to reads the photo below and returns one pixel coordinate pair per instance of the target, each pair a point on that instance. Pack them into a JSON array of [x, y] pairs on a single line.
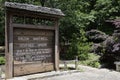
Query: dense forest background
[[80, 16]]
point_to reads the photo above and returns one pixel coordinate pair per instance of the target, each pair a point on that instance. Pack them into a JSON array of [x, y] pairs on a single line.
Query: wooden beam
[[33, 26], [56, 46]]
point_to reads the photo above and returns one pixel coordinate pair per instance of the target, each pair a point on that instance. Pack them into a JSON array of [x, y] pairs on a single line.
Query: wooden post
[[76, 62], [117, 67], [56, 46], [9, 46], [65, 65], [6, 45]]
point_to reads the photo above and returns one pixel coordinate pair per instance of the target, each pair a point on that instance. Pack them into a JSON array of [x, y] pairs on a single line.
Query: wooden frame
[[9, 26]]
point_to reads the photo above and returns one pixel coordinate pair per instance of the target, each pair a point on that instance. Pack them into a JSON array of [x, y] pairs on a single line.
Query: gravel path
[[88, 74]]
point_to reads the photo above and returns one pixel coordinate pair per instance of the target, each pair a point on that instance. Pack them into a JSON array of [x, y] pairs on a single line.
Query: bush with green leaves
[[92, 61], [2, 60], [79, 47]]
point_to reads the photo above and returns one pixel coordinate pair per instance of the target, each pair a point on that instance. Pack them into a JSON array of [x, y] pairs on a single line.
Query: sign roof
[[34, 8]]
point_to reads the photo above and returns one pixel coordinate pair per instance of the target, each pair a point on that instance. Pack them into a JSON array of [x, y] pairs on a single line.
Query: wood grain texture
[[23, 69], [31, 46], [34, 26], [56, 46], [9, 46]]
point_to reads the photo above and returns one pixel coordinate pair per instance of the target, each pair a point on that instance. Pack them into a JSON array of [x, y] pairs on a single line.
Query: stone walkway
[[84, 73], [88, 74]]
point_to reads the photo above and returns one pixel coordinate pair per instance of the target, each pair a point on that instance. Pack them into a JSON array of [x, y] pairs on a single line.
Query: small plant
[[92, 61], [95, 64], [2, 60]]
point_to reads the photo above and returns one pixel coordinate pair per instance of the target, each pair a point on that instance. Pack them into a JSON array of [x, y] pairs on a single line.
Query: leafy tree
[[76, 17], [104, 10], [73, 25], [1, 22]]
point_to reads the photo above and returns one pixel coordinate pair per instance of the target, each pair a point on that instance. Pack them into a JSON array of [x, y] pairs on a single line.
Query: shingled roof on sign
[[34, 8]]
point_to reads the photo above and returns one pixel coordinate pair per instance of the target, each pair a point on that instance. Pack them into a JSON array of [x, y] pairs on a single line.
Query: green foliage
[[104, 10], [85, 15], [79, 47], [2, 60], [92, 61], [76, 17], [73, 25], [1, 22], [95, 64]]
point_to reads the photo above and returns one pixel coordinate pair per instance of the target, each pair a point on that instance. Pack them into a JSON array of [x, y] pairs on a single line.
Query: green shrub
[[79, 47], [2, 60], [95, 64], [92, 61]]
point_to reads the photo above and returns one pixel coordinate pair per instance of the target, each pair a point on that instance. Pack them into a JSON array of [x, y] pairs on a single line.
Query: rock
[[96, 36]]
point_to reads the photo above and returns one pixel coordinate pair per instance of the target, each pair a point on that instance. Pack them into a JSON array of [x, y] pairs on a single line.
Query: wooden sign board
[[31, 39], [33, 51]]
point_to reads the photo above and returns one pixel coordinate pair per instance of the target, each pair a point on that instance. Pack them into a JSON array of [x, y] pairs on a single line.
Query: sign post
[[31, 39]]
